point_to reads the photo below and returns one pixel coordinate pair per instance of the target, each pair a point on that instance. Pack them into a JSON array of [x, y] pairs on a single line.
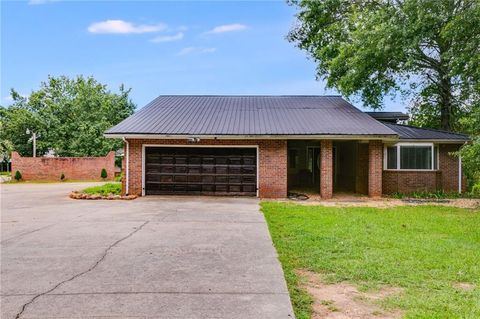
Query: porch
[[334, 168]]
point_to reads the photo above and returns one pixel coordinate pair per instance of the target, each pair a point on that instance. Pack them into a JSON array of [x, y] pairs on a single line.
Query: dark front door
[[200, 171]]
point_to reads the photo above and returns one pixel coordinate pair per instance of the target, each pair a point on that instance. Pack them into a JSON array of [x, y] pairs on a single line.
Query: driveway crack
[[99, 260]]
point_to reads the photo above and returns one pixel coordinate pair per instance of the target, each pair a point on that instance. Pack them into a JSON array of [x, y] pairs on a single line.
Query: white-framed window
[[411, 156]]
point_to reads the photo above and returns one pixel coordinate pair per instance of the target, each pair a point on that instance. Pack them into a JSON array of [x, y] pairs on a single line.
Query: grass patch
[[426, 250], [104, 190]]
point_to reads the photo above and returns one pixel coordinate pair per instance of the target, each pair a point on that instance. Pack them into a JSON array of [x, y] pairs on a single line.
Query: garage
[[200, 171]]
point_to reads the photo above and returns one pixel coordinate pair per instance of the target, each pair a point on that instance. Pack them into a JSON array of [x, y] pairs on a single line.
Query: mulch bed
[[79, 195]]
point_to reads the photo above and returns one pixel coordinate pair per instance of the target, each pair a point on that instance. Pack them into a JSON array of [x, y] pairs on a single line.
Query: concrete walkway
[[156, 257]]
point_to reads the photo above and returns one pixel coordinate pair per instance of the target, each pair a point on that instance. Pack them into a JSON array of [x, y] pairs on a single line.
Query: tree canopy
[[68, 115], [426, 50]]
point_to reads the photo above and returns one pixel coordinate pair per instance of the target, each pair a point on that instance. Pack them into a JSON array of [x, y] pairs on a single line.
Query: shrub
[[476, 189], [62, 177], [119, 178], [18, 175], [103, 174], [104, 190]]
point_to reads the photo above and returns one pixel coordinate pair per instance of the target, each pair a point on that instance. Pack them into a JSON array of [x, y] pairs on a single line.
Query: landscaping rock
[[78, 195]]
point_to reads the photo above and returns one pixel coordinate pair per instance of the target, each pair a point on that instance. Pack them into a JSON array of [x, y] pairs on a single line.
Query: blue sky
[[157, 47]]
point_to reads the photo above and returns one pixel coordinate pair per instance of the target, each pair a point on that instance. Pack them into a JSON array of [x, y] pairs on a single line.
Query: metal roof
[[388, 116], [406, 132], [250, 115]]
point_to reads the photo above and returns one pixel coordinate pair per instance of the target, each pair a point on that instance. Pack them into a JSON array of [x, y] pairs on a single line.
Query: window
[[411, 156], [392, 157]]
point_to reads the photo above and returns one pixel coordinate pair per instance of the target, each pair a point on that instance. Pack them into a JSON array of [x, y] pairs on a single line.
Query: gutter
[[255, 137], [127, 164]]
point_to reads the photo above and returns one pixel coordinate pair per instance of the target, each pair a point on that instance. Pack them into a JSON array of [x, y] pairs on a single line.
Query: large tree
[[68, 115], [426, 50]]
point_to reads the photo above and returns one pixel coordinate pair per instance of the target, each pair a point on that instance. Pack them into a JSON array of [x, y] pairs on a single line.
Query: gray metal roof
[[250, 115], [388, 116], [416, 133]]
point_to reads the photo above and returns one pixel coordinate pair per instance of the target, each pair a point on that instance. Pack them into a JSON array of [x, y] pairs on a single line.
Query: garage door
[[200, 171]]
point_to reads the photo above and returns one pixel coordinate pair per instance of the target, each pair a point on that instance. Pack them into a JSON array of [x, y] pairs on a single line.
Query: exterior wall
[[375, 166], [74, 168], [445, 178], [272, 158], [409, 181], [326, 169], [361, 176]]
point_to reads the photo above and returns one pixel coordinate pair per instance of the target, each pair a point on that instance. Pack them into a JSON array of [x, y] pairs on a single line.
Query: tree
[[69, 116], [426, 50]]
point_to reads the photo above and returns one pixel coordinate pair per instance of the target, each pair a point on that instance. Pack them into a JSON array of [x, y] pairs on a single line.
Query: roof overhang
[[442, 141], [256, 137]]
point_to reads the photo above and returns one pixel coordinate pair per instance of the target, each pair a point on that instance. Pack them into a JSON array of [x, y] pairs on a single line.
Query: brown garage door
[[200, 171]]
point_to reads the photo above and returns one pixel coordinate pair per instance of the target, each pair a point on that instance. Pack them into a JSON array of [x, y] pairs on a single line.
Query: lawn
[[425, 250], [105, 189]]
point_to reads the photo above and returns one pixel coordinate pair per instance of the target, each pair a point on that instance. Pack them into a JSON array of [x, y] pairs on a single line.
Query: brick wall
[[272, 163], [326, 169], [407, 181], [74, 168], [375, 167], [361, 176], [445, 178]]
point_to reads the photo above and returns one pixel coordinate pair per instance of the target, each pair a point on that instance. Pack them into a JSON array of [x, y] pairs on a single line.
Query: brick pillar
[[326, 169], [375, 159]]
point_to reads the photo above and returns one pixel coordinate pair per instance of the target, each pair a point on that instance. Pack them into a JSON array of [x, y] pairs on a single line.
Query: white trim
[[459, 174], [200, 146], [127, 163]]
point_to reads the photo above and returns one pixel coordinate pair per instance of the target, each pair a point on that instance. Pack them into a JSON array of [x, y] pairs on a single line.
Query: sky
[[154, 48]]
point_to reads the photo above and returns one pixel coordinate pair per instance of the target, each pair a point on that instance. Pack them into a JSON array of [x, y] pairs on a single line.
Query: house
[[267, 146]]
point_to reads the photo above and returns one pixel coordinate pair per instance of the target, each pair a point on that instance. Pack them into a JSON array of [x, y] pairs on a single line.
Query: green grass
[[6, 173], [105, 189], [423, 249]]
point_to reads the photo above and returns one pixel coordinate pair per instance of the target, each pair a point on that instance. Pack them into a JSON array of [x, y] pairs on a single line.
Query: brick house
[[268, 146]]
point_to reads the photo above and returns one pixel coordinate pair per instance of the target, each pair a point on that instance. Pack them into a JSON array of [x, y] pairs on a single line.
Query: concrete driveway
[[154, 257]]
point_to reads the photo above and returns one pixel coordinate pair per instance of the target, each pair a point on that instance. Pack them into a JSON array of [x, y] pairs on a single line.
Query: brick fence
[[74, 168]]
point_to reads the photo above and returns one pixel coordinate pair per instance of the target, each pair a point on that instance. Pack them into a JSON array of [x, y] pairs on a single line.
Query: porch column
[[326, 169], [375, 159]]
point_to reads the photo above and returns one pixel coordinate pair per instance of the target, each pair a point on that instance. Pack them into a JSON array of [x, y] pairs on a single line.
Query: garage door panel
[[207, 171]]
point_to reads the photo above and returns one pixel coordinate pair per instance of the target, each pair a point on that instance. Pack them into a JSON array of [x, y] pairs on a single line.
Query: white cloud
[[123, 27], [197, 50], [227, 28], [36, 2], [168, 38], [8, 98]]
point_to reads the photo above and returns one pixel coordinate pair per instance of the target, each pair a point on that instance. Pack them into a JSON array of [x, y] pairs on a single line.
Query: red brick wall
[[74, 168], [375, 166], [361, 176], [272, 163], [445, 178], [326, 169], [408, 182]]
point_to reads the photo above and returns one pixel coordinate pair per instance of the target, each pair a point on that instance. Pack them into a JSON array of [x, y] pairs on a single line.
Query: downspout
[[126, 164], [459, 174]]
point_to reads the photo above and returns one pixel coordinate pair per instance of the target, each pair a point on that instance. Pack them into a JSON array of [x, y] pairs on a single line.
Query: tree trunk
[[446, 108]]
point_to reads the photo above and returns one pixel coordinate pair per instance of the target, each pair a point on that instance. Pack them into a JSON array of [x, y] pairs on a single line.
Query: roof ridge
[[250, 95]]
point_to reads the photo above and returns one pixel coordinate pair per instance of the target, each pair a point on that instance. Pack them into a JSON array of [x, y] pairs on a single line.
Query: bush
[[18, 175], [103, 174], [476, 189], [104, 190], [62, 177]]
